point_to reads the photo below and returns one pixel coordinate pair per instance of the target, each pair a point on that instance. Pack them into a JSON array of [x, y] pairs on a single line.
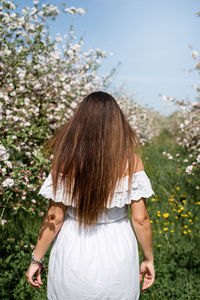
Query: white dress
[[100, 262]]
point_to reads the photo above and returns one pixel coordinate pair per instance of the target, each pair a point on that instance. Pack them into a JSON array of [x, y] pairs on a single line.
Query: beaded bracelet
[[35, 261]]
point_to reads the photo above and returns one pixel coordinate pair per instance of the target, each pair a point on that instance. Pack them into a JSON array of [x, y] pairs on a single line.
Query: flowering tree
[[188, 127], [41, 82]]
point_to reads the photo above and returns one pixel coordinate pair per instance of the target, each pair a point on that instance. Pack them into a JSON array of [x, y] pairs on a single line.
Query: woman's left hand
[[34, 270]]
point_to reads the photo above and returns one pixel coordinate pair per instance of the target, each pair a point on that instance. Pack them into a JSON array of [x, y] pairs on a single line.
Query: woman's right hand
[[147, 269]]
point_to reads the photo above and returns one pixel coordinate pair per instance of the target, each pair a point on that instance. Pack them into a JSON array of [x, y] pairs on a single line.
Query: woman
[[95, 174]]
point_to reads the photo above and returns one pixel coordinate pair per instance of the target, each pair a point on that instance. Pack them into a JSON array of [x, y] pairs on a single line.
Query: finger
[[140, 277], [147, 283], [39, 279], [33, 283]]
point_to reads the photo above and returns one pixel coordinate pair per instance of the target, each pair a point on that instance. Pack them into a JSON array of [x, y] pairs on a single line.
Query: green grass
[[176, 240]]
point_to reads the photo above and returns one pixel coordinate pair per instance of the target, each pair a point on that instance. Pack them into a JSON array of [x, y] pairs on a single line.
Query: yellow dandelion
[[151, 221], [183, 195], [159, 245], [153, 199], [190, 220], [182, 208], [171, 200], [184, 215], [189, 230], [185, 232], [160, 231], [165, 228], [196, 218], [176, 217], [166, 215], [157, 221], [178, 210], [172, 230], [172, 223], [184, 201], [197, 203], [189, 213], [177, 188], [185, 226]]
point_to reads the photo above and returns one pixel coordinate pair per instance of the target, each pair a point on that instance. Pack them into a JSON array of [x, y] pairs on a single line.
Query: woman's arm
[[51, 225], [142, 227]]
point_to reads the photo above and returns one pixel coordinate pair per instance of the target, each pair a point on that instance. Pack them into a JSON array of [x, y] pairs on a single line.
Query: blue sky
[[149, 38]]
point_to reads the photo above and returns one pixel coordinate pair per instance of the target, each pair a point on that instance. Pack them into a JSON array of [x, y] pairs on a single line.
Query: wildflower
[[177, 188], [165, 228], [159, 245], [153, 199], [157, 221], [197, 203], [158, 214], [189, 230], [185, 232], [184, 215], [184, 201], [172, 230], [166, 215], [185, 226], [151, 221], [3, 222]]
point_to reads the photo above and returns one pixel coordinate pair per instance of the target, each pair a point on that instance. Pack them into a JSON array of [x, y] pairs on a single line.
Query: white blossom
[[9, 182]]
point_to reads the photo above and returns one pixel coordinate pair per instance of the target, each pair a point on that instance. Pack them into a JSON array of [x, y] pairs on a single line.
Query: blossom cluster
[[42, 79], [188, 126]]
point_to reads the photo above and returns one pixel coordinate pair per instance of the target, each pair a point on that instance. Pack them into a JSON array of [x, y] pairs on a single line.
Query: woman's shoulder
[[138, 163]]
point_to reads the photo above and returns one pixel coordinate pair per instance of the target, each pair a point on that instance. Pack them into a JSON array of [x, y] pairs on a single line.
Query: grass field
[[175, 226]]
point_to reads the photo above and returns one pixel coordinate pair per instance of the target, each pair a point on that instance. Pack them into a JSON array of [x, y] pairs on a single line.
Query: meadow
[[39, 89]]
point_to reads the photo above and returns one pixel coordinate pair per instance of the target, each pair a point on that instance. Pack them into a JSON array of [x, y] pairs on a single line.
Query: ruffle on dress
[[140, 188]]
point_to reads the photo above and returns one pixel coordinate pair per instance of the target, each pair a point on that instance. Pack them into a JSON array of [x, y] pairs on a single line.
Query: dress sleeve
[[140, 188], [46, 191]]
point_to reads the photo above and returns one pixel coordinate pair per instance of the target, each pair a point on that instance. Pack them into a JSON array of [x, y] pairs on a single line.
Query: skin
[[51, 225], [142, 227], [53, 222]]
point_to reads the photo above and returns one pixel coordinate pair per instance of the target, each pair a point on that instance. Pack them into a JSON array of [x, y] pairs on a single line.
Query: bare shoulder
[[138, 163]]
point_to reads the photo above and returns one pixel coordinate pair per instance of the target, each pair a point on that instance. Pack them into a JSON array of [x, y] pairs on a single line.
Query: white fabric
[[141, 187], [100, 262]]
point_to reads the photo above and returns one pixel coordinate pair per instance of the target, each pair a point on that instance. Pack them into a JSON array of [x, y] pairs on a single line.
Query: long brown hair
[[91, 153]]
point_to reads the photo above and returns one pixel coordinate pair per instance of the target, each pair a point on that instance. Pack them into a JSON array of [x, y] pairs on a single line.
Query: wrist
[[149, 259], [35, 260]]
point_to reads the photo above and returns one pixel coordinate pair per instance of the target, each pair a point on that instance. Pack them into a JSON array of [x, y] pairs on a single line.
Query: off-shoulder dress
[[100, 262]]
